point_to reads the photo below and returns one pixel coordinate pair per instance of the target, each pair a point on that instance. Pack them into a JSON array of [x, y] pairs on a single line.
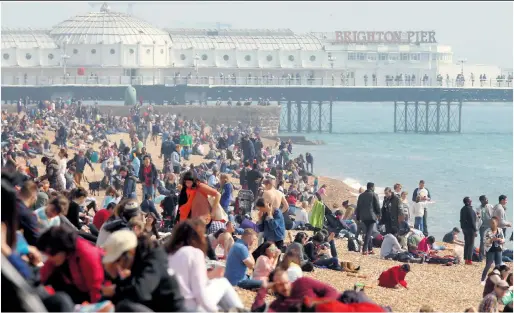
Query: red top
[[330, 305], [87, 272], [423, 245], [147, 172], [100, 218], [301, 288], [392, 277]]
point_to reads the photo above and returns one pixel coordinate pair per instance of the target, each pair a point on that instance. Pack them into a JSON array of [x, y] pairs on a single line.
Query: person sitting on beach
[[301, 216], [290, 294], [509, 296], [271, 222], [394, 277], [390, 246], [452, 237], [491, 300], [266, 263], [240, 259], [498, 274], [49, 215], [318, 253], [426, 244]]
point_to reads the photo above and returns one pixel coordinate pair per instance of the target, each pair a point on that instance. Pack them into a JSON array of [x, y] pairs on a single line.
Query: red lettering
[[339, 36], [347, 37]]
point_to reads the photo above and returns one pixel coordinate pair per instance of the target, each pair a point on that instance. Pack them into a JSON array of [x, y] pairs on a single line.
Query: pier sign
[[384, 37]]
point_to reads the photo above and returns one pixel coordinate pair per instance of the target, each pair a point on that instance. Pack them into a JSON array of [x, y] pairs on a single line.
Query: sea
[[364, 148]]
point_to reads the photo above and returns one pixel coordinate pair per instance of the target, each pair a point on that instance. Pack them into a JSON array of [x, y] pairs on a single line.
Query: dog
[[94, 188]]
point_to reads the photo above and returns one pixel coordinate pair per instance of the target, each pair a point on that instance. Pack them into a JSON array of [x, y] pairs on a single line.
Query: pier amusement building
[[114, 48]]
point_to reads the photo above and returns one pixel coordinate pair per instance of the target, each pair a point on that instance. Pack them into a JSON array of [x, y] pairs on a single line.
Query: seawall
[[265, 117]]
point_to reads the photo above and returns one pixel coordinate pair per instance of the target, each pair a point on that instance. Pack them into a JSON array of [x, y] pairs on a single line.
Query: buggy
[[244, 202]]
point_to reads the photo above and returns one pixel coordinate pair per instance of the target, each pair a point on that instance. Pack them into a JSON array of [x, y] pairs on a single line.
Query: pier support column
[[289, 104], [406, 116], [299, 116], [320, 112], [448, 107], [437, 127], [427, 113], [416, 117], [330, 124], [395, 110], [460, 115], [309, 116]]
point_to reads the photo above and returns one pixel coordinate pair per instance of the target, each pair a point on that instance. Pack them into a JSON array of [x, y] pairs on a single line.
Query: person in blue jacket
[[271, 223]]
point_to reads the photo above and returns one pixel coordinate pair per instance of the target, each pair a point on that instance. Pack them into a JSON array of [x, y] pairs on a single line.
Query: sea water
[[477, 161]]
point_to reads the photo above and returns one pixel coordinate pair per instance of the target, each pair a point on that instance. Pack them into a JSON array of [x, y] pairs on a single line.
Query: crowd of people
[[177, 238]]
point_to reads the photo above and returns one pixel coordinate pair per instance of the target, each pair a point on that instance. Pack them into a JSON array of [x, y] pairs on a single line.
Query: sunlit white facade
[[111, 44]]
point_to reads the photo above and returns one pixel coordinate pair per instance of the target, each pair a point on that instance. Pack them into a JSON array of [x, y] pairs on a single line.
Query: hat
[[118, 243], [502, 284]]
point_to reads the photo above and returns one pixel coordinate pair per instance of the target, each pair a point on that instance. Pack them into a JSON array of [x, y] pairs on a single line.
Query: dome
[[106, 27]]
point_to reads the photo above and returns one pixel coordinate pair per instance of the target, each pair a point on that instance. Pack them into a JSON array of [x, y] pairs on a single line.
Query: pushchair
[[244, 202]]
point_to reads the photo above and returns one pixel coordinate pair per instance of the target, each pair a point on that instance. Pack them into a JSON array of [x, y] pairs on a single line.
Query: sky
[[480, 32]]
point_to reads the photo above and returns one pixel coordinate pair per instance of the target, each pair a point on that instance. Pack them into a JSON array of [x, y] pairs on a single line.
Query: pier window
[[148, 51], [312, 58], [204, 57], [372, 56], [6, 56], [182, 57], [393, 56], [162, 51], [112, 51], [425, 56], [75, 51], [352, 56], [404, 57], [434, 56], [93, 51], [361, 56], [291, 58], [414, 56], [382, 56], [51, 56], [131, 51], [28, 56], [248, 58], [269, 58], [226, 57]]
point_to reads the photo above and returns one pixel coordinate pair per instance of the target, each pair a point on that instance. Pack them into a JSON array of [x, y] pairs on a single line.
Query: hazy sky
[[481, 32]]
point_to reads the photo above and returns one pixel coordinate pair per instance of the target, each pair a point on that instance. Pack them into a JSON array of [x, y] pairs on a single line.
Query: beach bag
[[354, 244], [435, 259], [288, 222], [217, 212]]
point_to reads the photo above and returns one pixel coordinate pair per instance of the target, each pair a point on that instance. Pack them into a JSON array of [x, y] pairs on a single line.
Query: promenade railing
[[247, 81]]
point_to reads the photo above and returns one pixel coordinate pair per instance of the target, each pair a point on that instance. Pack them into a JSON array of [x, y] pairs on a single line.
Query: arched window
[[51, 56], [131, 51], [112, 51], [248, 58], [28, 56], [6, 56], [269, 58], [291, 58], [226, 57], [182, 57], [204, 57]]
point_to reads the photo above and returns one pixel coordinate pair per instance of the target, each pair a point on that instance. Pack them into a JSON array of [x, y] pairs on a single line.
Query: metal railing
[[248, 81]]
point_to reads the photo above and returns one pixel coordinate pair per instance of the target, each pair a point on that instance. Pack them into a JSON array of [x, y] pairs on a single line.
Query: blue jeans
[[482, 233], [418, 223], [250, 284], [148, 191], [490, 257], [332, 263]]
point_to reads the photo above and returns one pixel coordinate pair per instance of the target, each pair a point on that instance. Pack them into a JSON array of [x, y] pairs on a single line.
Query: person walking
[[484, 214], [368, 212], [493, 244], [469, 229]]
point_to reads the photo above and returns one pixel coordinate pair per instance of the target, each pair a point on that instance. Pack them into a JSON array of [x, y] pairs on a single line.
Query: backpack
[[33, 171], [354, 245]]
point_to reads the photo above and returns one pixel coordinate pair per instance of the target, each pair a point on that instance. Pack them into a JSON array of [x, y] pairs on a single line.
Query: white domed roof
[[106, 27]]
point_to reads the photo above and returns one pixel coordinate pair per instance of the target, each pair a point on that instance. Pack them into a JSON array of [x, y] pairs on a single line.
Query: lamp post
[[331, 59], [461, 62]]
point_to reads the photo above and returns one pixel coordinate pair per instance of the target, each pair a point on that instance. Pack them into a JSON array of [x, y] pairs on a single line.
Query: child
[[394, 277], [418, 210], [301, 216]]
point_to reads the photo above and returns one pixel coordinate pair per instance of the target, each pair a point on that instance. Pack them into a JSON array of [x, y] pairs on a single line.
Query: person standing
[[469, 229], [80, 161], [484, 214], [390, 210], [499, 212], [493, 243], [424, 195], [148, 177], [368, 211], [175, 160]]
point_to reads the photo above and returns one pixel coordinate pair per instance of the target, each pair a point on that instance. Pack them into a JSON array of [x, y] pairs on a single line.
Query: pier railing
[[245, 81]]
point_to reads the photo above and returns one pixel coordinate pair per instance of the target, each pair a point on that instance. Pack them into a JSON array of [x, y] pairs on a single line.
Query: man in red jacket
[[394, 277], [291, 295]]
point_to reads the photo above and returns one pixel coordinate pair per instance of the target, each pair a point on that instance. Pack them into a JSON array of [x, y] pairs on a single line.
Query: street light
[[461, 62], [331, 59], [196, 59]]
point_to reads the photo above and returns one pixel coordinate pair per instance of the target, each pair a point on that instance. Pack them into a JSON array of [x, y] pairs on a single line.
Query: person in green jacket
[[507, 299], [186, 141]]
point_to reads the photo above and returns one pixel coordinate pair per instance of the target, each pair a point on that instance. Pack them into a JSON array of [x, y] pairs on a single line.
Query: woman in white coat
[[63, 161]]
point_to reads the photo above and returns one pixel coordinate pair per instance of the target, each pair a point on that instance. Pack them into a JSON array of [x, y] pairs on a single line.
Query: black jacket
[[153, 174], [468, 218], [149, 283], [27, 222], [368, 206], [129, 186], [73, 214], [390, 212]]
